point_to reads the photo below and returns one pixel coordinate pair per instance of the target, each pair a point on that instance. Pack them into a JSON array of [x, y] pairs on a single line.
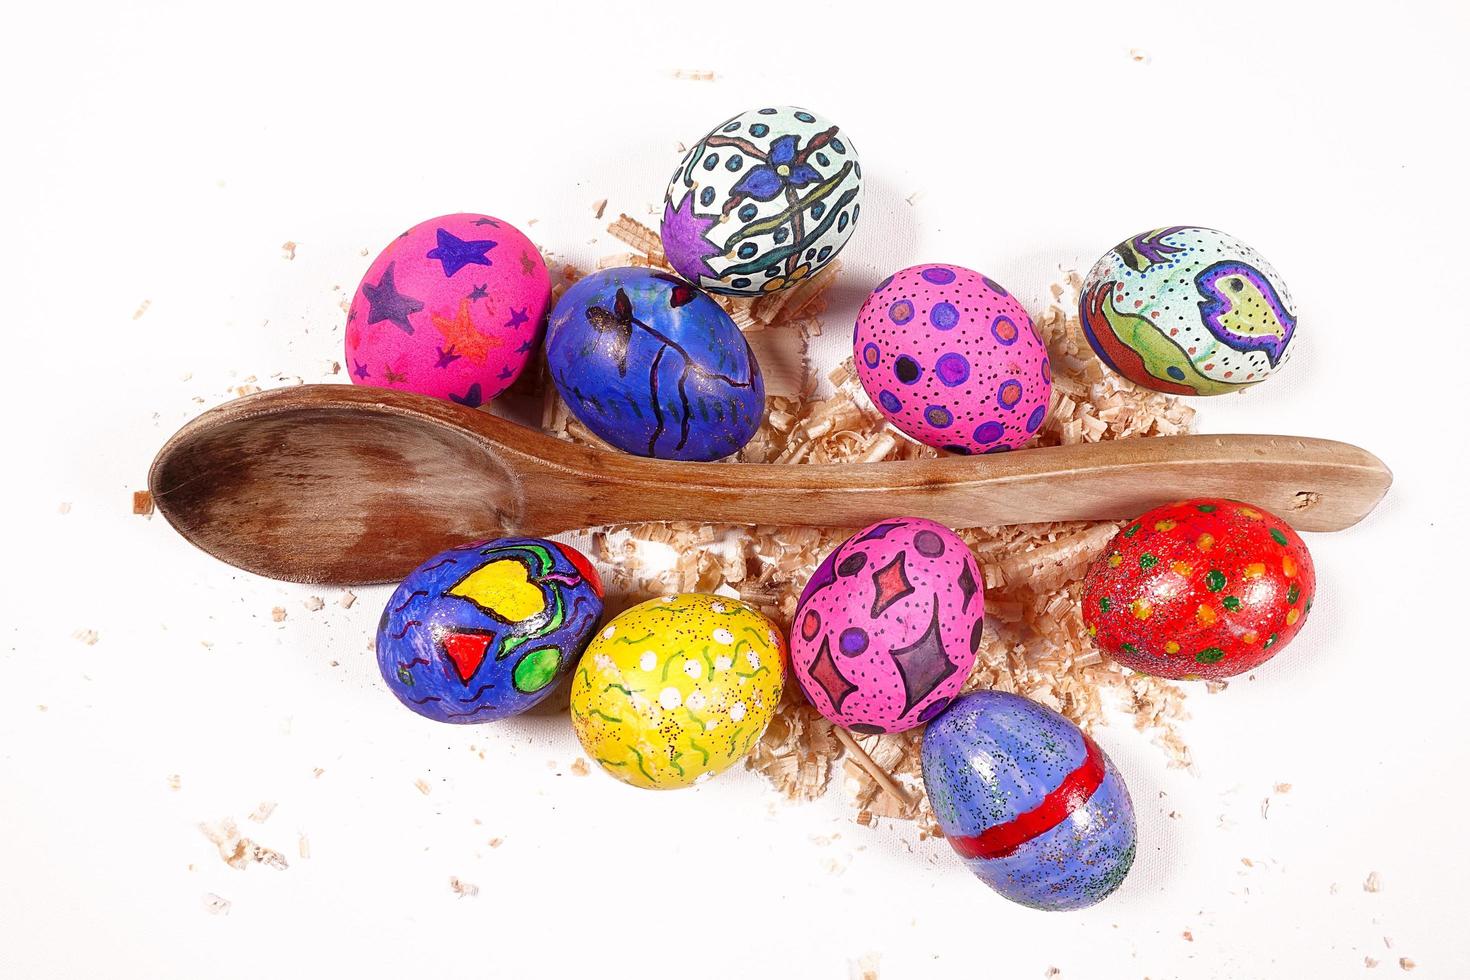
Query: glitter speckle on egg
[[953, 360], [484, 631], [1188, 311], [677, 689], [763, 201], [1036, 810], [888, 627], [452, 308]]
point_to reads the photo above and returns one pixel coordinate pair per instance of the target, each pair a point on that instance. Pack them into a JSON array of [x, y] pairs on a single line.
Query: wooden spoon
[[346, 485]]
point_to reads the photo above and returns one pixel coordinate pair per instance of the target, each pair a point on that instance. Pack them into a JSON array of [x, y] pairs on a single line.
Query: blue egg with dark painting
[[1036, 809], [485, 631], [654, 366]]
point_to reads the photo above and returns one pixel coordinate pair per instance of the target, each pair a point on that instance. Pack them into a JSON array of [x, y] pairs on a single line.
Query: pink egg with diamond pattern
[[452, 308], [888, 627], [952, 360]]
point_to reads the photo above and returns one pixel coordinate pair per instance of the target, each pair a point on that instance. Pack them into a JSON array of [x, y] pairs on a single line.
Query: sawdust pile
[[1034, 642]]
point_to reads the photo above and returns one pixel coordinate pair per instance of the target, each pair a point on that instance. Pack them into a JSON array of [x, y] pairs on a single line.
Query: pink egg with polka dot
[[452, 308], [889, 625], [953, 360]]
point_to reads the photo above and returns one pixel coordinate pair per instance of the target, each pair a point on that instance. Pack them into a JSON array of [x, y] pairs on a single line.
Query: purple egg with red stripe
[[1036, 809]]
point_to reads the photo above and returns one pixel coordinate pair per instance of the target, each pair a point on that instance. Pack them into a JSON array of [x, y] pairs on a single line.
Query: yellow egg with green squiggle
[[677, 689]]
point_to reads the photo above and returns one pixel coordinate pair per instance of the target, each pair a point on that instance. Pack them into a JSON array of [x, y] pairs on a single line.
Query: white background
[[164, 153]]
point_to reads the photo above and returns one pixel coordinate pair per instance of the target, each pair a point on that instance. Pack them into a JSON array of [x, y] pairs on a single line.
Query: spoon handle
[[1314, 484]]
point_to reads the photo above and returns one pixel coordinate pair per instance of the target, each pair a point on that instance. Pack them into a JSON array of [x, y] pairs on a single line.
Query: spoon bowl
[[330, 492]]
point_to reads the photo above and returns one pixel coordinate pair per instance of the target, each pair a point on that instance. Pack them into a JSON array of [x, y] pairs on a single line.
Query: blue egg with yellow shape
[[484, 631], [654, 366], [1038, 812]]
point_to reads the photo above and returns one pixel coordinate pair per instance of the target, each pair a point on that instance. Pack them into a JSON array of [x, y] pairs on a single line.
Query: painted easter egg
[[1038, 812], [654, 366], [952, 360], [677, 689], [1189, 311], [451, 308], [764, 200], [1203, 588], [484, 631], [888, 627]]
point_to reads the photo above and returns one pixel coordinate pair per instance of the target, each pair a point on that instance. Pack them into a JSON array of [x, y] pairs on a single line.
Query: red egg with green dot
[[1200, 589]]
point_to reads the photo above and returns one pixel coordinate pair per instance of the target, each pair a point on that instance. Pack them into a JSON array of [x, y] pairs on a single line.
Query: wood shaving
[[263, 812], [782, 357], [463, 888], [288, 250], [303, 846], [694, 74], [599, 206], [579, 767], [496, 841], [422, 786], [174, 782], [1282, 788], [215, 905], [1406, 964], [1034, 644], [314, 603], [64, 507], [622, 259], [142, 503], [865, 967], [1370, 962], [240, 852], [858, 757], [639, 236], [142, 308], [88, 637], [278, 614], [348, 598], [1373, 883]]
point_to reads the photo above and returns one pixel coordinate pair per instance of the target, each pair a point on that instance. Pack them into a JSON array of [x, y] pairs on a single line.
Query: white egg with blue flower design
[[763, 201]]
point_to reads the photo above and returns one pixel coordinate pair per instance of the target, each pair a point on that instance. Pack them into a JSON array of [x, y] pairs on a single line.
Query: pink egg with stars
[[952, 360], [452, 308], [889, 625]]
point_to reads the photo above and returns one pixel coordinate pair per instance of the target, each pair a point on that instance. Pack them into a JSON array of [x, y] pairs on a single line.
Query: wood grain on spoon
[[339, 484]]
